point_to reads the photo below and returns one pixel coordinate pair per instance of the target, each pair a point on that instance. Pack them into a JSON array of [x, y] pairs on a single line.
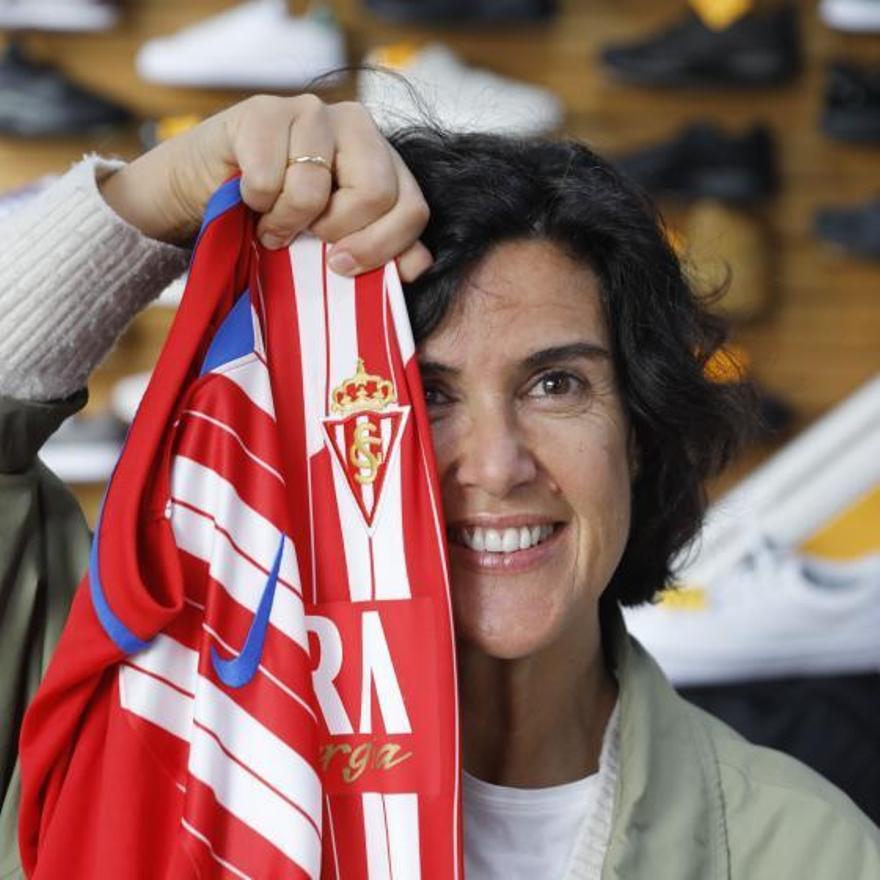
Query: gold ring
[[311, 160]]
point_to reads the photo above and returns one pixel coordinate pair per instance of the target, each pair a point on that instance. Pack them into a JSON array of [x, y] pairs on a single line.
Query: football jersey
[[257, 678]]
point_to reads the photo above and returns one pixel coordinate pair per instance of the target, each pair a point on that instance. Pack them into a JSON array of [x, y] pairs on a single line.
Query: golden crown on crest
[[363, 392]]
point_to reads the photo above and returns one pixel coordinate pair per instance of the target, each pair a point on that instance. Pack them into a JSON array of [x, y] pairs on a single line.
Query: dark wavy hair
[[487, 189]]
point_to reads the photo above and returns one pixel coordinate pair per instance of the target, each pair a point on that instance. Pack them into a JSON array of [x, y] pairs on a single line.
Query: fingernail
[[342, 263], [273, 242]]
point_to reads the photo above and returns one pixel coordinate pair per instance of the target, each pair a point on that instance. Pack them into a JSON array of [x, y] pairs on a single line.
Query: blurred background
[[756, 126]]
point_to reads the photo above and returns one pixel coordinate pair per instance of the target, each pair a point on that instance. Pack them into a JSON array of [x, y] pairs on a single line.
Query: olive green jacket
[[694, 800]]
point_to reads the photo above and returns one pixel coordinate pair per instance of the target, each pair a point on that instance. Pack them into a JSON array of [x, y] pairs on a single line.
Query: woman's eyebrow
[[435, 368], [572, 350], [536, 360]]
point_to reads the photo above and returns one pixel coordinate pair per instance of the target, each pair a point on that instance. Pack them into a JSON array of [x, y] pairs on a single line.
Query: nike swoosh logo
[[238, 671]]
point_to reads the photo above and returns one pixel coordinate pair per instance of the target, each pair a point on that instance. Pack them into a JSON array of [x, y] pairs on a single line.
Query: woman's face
[[532, 447]]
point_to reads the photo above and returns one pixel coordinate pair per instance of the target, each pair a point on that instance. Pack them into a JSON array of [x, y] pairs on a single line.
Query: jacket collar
[[668, 819]]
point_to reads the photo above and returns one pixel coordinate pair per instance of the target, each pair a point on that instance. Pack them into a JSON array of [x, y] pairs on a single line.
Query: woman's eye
[[434, 396], [558, 384]]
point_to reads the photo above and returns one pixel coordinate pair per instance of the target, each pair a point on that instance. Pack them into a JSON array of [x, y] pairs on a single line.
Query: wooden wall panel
[[822, 337]]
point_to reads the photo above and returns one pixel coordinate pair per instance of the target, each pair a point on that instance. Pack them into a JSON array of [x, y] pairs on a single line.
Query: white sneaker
[[861, 16], [58, 15], [778, 614], [172, 295], [793, 496], [84, 449], [127, 394], [256, 45], [455, 96]]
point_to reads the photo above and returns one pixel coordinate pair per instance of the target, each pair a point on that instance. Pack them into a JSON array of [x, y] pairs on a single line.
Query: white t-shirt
[[523, 833], [532, 833]]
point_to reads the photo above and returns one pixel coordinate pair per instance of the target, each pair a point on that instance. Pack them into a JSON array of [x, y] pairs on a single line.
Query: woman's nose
[[493, 455]]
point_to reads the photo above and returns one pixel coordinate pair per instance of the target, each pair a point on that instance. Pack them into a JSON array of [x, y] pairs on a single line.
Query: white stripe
[[402, 819], [252, 376], [253, 746], [355, 539], [440, 537], [205, 489], [258, 332], [144, 696], [378, 867], [228, 865], [258, 748], [263, 671], [389, 552], [342, 323], [259, 807], [236, 436], [398, 312], [241, 579], [305, 263], [332, 837], [170, 659]]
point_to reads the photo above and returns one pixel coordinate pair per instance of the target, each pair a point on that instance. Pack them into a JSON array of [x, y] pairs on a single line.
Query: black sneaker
[[856, 230], [852, 103], [756, 50], [463, 11], [704, 162], [38, 100]]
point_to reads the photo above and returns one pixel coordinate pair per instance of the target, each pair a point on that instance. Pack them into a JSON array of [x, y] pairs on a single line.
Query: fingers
[[370, 206], [259, 139], [306, 186], [415, 260], [366, 174], [365, 235]]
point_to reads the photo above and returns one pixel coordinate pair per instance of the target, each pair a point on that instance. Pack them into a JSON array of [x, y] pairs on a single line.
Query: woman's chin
[[505, 623]]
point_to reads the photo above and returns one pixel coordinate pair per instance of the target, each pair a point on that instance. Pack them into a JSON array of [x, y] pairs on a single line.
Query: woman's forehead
[[523, 295]]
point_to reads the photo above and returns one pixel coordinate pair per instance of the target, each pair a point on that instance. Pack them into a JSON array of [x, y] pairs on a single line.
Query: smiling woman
[[563, 355], [563, 359]]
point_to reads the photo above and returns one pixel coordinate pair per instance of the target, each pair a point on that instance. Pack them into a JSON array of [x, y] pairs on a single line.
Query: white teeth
[[503, 540], [494, 542]]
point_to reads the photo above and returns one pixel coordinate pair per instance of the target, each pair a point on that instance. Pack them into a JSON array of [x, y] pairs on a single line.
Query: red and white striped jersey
[[257, 678]]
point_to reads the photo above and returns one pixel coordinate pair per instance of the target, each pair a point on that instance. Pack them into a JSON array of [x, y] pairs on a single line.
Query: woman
[[562, 353]]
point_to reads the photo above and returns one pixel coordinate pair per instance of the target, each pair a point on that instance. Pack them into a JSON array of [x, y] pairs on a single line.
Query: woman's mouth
[[509, 549]]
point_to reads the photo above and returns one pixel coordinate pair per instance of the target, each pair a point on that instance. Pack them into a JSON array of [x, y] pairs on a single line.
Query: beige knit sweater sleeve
[[72, 275]]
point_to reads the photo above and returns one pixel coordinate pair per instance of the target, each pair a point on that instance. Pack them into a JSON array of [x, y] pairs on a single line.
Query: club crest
[[363, 434]]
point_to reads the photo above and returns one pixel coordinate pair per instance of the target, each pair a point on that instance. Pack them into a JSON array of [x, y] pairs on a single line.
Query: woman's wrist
[[142, 194]]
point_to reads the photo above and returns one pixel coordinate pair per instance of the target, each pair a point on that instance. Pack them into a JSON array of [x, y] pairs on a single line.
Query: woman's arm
[[72, 275], [81, 260]]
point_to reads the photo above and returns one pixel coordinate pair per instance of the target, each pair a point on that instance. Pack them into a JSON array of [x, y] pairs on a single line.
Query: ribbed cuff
[[72, 275]]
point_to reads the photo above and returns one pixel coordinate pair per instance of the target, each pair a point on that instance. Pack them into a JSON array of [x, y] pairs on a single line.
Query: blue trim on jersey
[[118, 632], [238, 671], [234, 338], [225, 197]]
